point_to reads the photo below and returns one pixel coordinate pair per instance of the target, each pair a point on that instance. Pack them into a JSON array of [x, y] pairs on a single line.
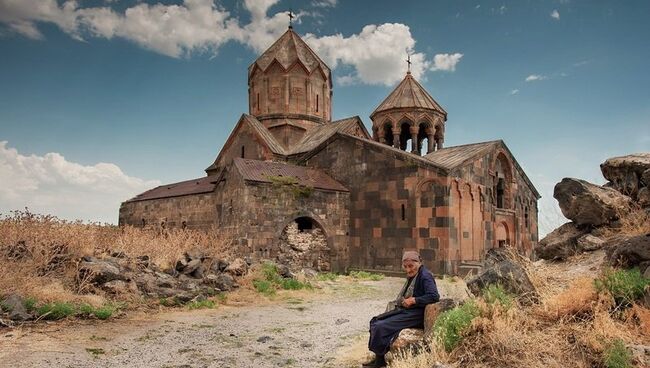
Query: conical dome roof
[[409, 94], [287, 50]]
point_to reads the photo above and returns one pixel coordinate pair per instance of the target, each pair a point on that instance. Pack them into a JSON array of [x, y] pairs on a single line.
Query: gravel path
[[298, 331]]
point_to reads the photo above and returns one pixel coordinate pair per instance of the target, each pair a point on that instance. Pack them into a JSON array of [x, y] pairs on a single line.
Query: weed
[[496, 294], [291, 184], [617, 355], [450, 325], [364, 275], [104, 312], [30, 304], [625, 286], [202, 304], [95, 351], [264, 287], [327, 276], [54, 311]]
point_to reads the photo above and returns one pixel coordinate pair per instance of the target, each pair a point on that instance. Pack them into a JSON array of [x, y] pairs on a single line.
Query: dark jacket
[[425, 290]]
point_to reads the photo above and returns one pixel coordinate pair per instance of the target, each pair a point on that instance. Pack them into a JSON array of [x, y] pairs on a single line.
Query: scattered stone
[[643, 197], [284, 271], [238, 267], [121, 287], [341, 321], [645, 178], [219, 266], [99, 271], [640, 355], [191, 266], [264, 339], [626, 172], [193, 254], [560, 243], [181, 264], [504, 267], [223, 282], [590, 243], [630, 252], [306, 345], [16, 308], [309, 273], [589, 204]]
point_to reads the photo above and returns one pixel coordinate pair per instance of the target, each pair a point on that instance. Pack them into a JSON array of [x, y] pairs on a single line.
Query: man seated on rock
[[407, 311]]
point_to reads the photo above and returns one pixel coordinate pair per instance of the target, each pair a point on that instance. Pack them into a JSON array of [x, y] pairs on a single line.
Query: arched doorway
[[303, 244], [502, 235]]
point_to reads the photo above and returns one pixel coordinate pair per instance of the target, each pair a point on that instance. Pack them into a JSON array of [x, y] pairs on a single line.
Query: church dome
[[409, 116], [289, 82]]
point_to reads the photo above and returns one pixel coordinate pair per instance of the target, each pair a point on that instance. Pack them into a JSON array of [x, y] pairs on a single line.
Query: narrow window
[[403, 212], [144, 222], [316, 103], [526, 218], [501, 186], [243, 151], [184, 225], [258, 101]]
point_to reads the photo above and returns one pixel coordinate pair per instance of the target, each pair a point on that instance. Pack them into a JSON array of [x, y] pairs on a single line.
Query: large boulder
[[631, 252], [238, 267], [626, 172], [590, 243], [589, 204], [100, 271], [643, 197], [560, 243], [504, 267]]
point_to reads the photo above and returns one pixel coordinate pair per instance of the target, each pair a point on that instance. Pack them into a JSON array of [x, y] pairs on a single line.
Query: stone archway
[[303, 244], [502, 235]]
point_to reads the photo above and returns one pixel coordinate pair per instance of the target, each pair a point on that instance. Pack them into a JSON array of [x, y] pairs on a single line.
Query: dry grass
[[571, 327], [39, 254]]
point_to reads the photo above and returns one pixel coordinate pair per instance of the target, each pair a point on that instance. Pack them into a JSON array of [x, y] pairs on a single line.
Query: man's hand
[[408, 302]]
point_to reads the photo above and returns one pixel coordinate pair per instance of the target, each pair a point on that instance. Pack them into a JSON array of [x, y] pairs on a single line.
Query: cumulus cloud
[[446, 62], [376, 54], [51, 184], [535, 77], [555, 14]]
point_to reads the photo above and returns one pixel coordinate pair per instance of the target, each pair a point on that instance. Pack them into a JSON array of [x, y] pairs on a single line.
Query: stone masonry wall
[[194, 211]]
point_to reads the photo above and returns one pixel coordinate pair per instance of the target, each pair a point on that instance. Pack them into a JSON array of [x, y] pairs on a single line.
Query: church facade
[[287, 169]]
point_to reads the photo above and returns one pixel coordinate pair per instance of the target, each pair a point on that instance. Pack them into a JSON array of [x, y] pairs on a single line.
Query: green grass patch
[[327, 276], [364, 275], [617, 355], [55, 311], [450, 325], [264, 287], [30, 304], [626, 286], [202, 304], [496, 294], [273, 281]]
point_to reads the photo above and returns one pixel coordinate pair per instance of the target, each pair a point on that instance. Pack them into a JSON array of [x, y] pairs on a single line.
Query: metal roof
[[265, 171]]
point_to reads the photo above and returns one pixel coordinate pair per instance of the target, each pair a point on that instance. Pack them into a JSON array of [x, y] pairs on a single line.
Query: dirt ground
[[326, 327]]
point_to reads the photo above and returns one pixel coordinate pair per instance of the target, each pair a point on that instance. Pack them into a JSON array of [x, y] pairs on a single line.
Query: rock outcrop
[[626, 172], [560, 243], [630, 252], [589, 204], [505, 267]]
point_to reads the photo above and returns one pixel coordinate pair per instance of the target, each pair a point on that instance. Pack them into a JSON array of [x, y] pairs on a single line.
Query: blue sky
[[100, 100]]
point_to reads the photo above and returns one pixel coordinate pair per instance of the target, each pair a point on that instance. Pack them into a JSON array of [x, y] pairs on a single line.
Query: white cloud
[[51, 184], [346, 80], [555, 14], [324, 3], [376, 54], [535, 77], [514, 92], [446, 62]]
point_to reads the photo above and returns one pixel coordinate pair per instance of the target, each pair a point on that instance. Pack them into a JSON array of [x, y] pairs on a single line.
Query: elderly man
[[407, 311]]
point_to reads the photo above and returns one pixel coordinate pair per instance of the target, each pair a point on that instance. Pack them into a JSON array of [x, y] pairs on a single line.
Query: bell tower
[[290, 89]]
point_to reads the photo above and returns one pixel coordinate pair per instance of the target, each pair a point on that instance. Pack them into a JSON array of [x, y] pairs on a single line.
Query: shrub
[[30, 304], [494, 294], [202, 304], [54, 311], [626, 286], [363, 275], [451, 324], [104, 312], [617, 355], [293, 284], [263, 286]]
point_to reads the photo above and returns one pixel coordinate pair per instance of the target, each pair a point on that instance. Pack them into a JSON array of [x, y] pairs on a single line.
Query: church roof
[[409, 94], [265, 171], [194, 186], [320, 134], [287, 50], [451, 157]]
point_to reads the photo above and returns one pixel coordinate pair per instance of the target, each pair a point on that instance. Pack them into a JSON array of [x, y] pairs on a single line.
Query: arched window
[[405, 137], [502, 182], [317, 102], [388, 133]]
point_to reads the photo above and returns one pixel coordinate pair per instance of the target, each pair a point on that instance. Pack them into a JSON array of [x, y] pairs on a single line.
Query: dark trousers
[[384, 330]]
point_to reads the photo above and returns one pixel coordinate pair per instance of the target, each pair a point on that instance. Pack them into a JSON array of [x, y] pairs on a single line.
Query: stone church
[[370, 195]]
